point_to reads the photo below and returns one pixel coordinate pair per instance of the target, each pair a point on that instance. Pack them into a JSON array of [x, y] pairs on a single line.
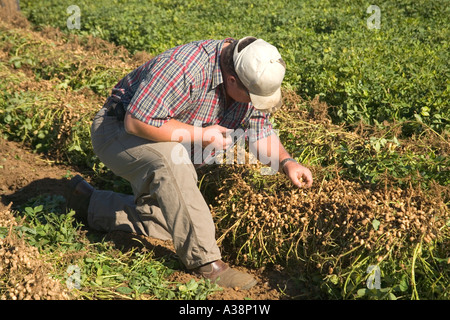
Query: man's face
[[236, 90]]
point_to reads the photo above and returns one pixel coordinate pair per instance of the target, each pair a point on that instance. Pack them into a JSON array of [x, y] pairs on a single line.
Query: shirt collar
[[217, 76]]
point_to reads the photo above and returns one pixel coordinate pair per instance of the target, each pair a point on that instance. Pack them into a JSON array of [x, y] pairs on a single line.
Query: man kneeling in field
[[197, 93]]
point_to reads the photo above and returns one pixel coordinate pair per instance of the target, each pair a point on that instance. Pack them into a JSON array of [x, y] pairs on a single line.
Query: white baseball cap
[[261, 69]]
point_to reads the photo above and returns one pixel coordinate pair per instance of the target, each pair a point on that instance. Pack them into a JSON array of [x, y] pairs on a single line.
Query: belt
[[115, 109]]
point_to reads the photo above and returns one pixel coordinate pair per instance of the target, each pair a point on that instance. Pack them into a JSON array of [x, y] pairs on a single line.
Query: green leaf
[[403, 285], [183, 288], [349, 162], [26, 229], [192, 285], [361, 292], [125, 290], [334, 279], [41, 231]]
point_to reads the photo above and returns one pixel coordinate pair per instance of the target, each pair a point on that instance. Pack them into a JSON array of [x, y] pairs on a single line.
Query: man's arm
[[270, 150], [177, 131]]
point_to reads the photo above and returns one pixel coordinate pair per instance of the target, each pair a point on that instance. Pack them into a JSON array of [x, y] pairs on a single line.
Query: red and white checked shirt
[[185, 83]]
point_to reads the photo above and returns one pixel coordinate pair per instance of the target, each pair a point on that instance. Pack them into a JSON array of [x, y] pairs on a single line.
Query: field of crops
[[366, 107]]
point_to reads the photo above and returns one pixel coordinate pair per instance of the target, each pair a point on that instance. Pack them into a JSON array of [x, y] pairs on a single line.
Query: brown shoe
[[78, 195], [225, 276]]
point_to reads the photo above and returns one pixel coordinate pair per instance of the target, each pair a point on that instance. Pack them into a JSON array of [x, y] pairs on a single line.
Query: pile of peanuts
[[23, 273], [333, 216]]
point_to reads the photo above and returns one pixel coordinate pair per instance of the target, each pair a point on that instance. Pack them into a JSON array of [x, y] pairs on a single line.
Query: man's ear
[[231, 81]]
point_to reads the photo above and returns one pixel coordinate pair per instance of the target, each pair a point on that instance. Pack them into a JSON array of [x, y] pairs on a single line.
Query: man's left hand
[[298, 174]]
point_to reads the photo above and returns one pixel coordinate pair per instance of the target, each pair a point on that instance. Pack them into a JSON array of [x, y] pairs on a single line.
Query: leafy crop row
[[396, 73], [48, 97]]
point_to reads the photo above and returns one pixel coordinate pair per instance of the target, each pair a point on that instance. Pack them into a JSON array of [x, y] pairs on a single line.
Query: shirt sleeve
[[259, 126], [162, 92]]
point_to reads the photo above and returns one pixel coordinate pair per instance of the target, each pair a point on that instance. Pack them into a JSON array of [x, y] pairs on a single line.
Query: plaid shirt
[[185, 83]]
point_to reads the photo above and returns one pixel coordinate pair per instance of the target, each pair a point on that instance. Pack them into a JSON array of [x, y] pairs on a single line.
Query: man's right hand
[[216, 137]]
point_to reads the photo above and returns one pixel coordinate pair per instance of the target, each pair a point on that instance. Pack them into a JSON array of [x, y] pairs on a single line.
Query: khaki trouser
[[167, 203]]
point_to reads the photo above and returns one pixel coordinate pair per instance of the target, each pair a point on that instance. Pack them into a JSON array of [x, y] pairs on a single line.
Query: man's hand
[[270, 150], [298, 174], [216, 137]]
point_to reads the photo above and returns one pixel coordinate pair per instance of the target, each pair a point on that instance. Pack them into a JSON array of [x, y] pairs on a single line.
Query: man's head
[[253, 72]]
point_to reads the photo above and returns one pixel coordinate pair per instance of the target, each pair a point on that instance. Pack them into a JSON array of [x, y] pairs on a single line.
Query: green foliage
[[74, 71], [29, 117], [22, 121], [46, 229], [371, 156], [396, 73], [425, 271], [104, 272], [134, 275]]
